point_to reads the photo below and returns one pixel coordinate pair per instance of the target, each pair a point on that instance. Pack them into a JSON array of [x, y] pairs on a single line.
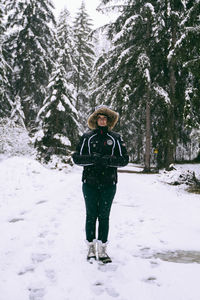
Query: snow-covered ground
[[43, 249]]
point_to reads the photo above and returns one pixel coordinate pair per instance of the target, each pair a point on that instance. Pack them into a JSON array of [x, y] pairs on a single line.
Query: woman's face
[[102, 120]]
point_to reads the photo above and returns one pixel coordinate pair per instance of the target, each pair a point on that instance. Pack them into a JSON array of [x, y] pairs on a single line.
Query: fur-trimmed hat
[[103, 110]]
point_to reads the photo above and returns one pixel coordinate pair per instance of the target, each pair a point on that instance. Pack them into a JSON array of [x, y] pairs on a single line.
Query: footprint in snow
[[98, 287], [39, 257], [36, 294], [112, 292], [41, 202], [151, 280], [50, 274], [15, 220], [154, 264], [43, 234], [29, 269]]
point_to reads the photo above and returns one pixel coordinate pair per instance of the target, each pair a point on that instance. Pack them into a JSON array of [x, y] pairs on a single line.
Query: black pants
[[98, 201]]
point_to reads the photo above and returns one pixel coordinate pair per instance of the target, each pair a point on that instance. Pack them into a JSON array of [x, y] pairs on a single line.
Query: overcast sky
[[99, 19]]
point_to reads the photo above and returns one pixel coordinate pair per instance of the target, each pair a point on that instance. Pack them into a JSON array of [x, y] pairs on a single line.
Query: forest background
[[145, 65]]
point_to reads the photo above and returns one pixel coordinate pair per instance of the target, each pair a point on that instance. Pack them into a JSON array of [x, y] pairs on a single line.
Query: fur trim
[[104, 110]]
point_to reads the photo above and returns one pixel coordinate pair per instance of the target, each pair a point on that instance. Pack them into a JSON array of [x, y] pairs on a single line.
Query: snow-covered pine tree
[[190, 52], [58, 119], [127, 73], [5, 103], [173, 26], [29, 44], [170, 13], [65, 40], [84, 59], [189, 47], [174, 79]]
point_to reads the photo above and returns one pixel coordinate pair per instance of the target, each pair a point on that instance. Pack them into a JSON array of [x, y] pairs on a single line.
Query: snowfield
[[154, 237]]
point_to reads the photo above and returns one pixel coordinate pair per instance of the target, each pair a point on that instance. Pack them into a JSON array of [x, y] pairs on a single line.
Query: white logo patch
[[109, 142]]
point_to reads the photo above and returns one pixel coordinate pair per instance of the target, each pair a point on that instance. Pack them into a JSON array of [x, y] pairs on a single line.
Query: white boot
[[102, 255], [91, 250]]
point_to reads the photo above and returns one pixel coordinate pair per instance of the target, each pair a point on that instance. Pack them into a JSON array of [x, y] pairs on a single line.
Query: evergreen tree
[[190, 54], [58, 118], [128, 72], [5, 103], [84, 59], [174, 41], [65, 44], [189, 48], [147, 65], [29, 48]]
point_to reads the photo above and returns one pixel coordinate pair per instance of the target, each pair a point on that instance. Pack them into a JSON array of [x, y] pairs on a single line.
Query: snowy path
[[42, 252]]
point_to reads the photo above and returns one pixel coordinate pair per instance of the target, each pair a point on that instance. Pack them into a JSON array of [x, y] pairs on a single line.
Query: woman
[[100, 151]]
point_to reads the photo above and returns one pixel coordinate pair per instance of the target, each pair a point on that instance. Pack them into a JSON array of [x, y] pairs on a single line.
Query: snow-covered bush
[[59, 162], [178, 177], [52, 156], [14, 139]]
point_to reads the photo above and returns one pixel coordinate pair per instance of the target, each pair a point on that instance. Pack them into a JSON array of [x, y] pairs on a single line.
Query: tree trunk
[[139, 144], [78, 84], [171, 123], [148, 119], [171, 130], [148, 133]]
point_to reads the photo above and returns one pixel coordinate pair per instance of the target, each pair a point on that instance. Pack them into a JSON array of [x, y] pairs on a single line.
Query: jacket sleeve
[[81, 156], [120, 157]]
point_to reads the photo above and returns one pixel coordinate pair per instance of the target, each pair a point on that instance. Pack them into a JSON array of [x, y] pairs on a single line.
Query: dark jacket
[[100, 152]]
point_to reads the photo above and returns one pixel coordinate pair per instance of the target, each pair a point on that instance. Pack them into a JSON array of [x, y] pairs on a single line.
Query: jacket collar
[[101, 130]]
